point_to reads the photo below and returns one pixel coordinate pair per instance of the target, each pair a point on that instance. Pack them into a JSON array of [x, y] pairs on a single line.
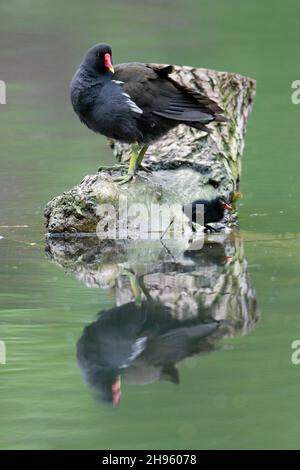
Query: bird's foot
[[209, 228], [134, 164], [123, 179]]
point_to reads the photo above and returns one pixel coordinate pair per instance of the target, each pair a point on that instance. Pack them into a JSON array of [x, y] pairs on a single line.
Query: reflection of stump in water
[[214, 277], [218, 281], [170, 304]]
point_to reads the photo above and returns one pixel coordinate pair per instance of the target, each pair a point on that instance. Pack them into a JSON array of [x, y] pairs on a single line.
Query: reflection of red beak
[[115, 388], [107, 62], [227, 206]]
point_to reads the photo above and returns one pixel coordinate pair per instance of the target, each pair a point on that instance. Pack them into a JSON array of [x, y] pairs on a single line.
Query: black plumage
[[135, 103], [155, 102], [203, 212], [211, 255], [213, 210], [138, 342]]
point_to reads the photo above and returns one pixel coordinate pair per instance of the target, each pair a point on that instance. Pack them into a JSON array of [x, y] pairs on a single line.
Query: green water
[[244, 394]]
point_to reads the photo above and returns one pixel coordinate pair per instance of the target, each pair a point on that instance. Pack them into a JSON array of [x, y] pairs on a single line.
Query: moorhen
[[213, 211], [141, 343], [135, 103]]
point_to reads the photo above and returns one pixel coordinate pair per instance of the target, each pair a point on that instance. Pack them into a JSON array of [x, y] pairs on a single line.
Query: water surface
[[242, 392]]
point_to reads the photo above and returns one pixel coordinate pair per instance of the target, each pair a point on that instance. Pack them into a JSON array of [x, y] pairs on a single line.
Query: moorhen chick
[[135, 103], [213, 211]]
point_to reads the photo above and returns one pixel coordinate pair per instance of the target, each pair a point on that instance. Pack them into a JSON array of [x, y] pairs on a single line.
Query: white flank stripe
[[134, 107], [138, 348]]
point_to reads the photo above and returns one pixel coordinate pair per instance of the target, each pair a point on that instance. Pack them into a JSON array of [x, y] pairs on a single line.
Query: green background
[[246, 394]]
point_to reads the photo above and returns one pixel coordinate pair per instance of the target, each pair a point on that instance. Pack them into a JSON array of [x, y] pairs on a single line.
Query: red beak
[[227, 206], [107, 62], [115, 388]]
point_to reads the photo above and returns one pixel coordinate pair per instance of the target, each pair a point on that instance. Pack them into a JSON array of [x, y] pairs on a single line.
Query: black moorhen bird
[[213, 211], [138, 342], [135, 103], [203, 211]]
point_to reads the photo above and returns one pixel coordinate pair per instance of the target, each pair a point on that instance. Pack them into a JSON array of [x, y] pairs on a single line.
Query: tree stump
[[186, 164]]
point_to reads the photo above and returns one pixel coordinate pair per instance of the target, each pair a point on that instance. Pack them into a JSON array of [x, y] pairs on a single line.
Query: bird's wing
[[176, 344], [152, 89], [133, 79], [138, 347], [195, 331], [186, 104]]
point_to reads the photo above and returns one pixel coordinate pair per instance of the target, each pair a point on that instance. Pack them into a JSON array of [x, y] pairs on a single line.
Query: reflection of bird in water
[[141, 343], [209, 254]]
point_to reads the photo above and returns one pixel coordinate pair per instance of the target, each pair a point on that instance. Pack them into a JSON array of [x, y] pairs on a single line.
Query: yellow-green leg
[[134, 286], [136, 158], [135, 290], [141, 155]]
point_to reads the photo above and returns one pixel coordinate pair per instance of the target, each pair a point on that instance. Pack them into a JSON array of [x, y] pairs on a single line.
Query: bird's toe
[[123, 179], [145, 168]]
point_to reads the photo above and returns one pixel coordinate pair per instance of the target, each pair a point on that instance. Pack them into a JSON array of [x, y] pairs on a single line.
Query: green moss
[[201, 143]]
